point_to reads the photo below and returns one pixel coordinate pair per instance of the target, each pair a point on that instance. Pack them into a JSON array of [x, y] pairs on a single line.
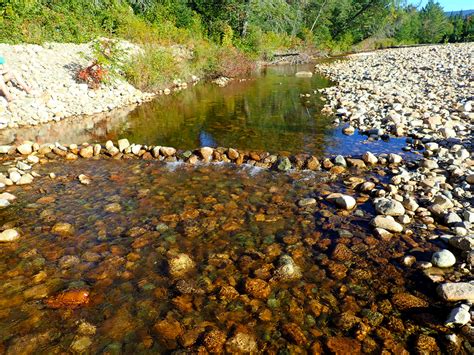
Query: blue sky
[[449, 5]]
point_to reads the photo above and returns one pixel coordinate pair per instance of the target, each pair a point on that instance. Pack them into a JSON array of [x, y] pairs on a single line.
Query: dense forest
[[229, 29]]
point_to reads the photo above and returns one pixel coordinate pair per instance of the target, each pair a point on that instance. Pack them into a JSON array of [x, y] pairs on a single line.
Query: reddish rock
[[313, 163], [342, 253], [405, 301], [232, 154], [294, 333], [426, 345], [46, 200], [168, 330], [69, 299], [184, 303], [214, 341], [343, 346], [257, 288], [228, 293], [338, 271]]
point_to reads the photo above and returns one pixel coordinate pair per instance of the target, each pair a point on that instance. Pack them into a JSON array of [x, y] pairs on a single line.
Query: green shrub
[[153, 69]]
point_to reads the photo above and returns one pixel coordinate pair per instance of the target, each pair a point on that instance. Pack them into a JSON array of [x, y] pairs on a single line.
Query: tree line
[[251, 25], [322, 22]]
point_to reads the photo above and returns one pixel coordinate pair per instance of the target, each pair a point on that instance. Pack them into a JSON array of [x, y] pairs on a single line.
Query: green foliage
[[153, 68], [463, 28], [409, 25], [434, 23], [108, 54]]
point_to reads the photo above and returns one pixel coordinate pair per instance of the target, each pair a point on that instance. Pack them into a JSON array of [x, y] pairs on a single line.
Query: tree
[[408, 25], [434, 24]]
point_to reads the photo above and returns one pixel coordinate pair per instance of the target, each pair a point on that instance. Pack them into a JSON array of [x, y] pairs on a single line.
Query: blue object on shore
[[2, 60]]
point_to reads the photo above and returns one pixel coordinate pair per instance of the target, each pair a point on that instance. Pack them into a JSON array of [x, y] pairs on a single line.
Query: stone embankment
[[50, 70], [426, 94]]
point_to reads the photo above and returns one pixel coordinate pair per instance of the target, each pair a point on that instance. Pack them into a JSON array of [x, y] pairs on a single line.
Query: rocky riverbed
[[364, 194], [50, 70], [130, 247]]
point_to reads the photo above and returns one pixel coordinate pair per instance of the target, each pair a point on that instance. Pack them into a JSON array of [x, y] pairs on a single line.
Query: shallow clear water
[[236, 224], [265, 112]]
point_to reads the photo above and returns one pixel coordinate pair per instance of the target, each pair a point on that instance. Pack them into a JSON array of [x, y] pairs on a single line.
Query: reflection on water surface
[[273, 111]]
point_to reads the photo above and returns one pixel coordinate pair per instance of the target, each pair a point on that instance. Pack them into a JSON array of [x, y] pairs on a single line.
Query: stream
[[166, 257]]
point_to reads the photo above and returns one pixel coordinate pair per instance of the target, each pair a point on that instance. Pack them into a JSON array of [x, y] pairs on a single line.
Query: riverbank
[[51, 71]]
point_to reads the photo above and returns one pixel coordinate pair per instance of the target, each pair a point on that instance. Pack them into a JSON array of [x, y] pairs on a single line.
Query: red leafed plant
[[106, 63], [93, 75]]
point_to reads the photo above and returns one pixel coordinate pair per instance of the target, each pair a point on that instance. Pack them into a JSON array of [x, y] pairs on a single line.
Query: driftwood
[[286, 54], [291, 58]]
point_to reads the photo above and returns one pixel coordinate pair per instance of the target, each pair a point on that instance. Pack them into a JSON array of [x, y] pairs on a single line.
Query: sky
[[449, 5]]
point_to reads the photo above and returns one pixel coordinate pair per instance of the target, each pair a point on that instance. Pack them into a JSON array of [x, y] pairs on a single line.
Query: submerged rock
[[9, 235], [304, 74], [63, 228], [214, 341], [306, 202], [81, 344], [288, 269], [168, 331], [180, 265], [242, 343], [69, 299], [84, 179], [406, 301], [257, 288]]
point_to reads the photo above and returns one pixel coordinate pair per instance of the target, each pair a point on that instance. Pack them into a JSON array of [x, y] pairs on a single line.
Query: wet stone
[[113, 207], [242, 343], [168, 332], [214, 341], [9, 235], [426, 345], [306, 202], [69, 261], [342, 345], [284, 164], [80, 344], [257, 288], [294, 333], [63, 228], [406, 301], [180, 265]]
